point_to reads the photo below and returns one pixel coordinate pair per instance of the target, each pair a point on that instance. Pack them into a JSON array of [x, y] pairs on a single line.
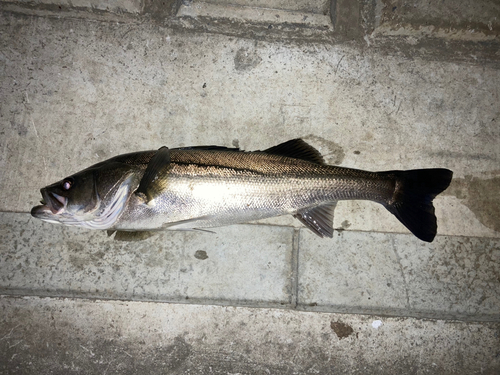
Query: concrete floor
[[373, 85]]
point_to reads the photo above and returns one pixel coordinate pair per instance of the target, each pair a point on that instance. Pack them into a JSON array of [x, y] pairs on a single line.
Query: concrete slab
[[256, 265], [129, 6], [453, 277], [267, 15], [70, 96], [81, 85], [43, 259], [305, 6], [443, 19], [46, 335], [358, 270]]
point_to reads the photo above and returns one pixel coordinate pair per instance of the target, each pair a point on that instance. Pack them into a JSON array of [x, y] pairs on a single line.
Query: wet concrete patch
[[342, 330], [481, 196], [246, 59], [332, 152], [201, 254]]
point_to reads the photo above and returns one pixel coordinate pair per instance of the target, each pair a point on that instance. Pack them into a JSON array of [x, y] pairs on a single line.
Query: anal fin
[[318, 219]]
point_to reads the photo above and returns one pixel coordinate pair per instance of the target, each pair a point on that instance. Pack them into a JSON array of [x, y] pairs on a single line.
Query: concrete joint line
[[294, 280]]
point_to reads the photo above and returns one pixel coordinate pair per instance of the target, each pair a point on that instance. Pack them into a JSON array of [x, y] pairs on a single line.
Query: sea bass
[[209, 186]]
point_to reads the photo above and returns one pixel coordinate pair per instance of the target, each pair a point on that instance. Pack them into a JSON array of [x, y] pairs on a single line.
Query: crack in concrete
[[294, 299], [398, 258]]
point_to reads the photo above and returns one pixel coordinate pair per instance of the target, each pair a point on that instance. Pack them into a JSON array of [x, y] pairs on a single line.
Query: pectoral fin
[[318, 219], [153, 180]]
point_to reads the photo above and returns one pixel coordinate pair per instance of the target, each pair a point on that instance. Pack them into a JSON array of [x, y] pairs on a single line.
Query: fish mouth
[[51, 202]]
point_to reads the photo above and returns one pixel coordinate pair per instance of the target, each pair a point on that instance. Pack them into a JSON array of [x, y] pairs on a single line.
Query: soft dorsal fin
[[152, 182], [319, 219], [298, 149]]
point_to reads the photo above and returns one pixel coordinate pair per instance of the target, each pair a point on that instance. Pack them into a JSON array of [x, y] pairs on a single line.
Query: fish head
[[93, 198]]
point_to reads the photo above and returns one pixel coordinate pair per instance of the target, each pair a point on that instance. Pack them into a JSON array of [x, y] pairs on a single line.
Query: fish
[[193, 188]]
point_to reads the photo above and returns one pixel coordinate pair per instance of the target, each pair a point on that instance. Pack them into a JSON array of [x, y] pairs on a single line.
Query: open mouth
[[52, 202]]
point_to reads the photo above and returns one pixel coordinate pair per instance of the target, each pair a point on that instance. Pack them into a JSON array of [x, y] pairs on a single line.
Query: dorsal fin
[[319, 219], [298, 149], [152, 182]]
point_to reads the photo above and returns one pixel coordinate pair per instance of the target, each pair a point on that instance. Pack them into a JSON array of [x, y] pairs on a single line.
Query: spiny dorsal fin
[[298, 149], [319, 219], [152, 182]]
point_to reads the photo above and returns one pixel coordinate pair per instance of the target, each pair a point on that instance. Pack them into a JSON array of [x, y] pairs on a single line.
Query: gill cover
[[93, 198]]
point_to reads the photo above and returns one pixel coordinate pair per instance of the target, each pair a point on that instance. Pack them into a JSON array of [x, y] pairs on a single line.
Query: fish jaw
[[44, 213], [53, 204], [52, 209]]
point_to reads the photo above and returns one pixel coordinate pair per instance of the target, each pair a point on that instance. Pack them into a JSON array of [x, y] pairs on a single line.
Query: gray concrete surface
[[64, 336], [130, 6], [454, 277], [70, 104], [43, 259], [268, 15], [306, 6], [257, 265], [462, 19], [386, 85]]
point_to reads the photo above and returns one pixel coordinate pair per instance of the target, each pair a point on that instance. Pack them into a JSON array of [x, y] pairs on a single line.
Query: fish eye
[[67, 184]]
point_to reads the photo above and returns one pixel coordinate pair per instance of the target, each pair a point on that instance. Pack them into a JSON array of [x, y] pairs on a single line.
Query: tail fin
[[412, 200]]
